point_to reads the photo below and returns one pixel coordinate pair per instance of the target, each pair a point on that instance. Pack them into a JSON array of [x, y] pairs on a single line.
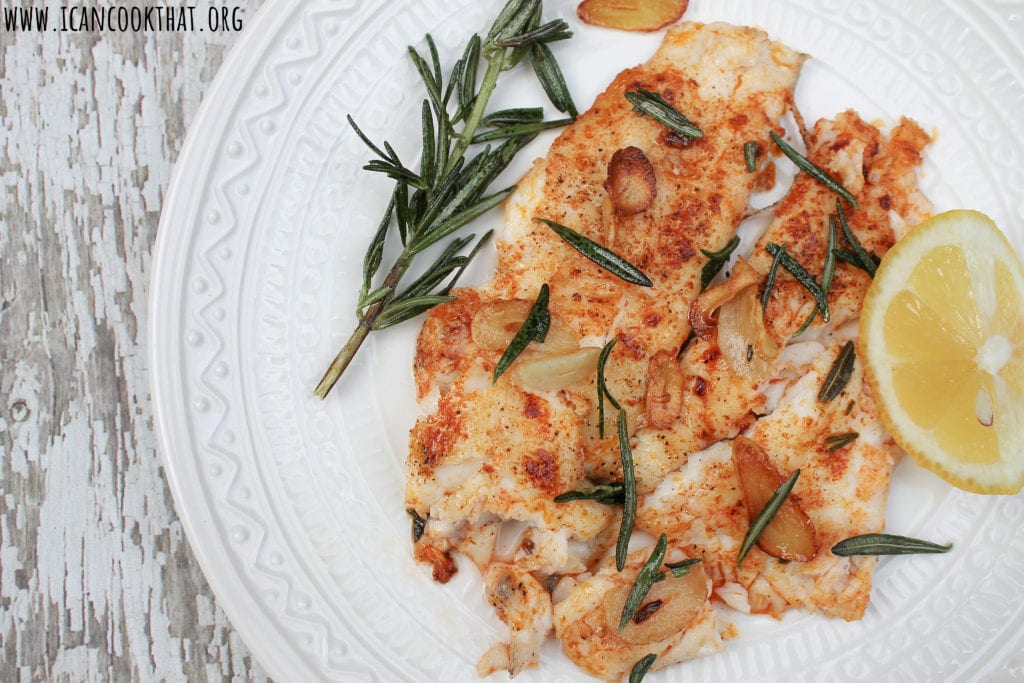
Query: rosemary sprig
[[765, 517], [865, 261], [839, 374], [602, 256], [716, 261], [640, 669], [658, 108], [534, 328], [837, 441], [644, 580], [450, 188], [808, 167], [602, 387], [609, 494], [628, 492], [419, 524], [802, 276], [750, 155], [886, 544]]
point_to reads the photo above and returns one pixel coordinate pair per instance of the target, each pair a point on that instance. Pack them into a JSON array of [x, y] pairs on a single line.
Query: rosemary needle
[[644, 580], [770, 280], [609, 494], [716, 261], [839, 374], [802, 276], [640, 669], [602, 256], [765, 517], [750, 155], [658, 108], [602, 387], [837, 441], [886, 544], [534, 328], [629, 494], [809, 167]]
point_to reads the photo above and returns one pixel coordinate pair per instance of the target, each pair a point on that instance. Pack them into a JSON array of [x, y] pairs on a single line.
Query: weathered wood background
[[97, 581]]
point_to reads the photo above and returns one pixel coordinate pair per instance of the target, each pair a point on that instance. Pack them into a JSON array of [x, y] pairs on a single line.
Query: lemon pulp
[[942, 332]]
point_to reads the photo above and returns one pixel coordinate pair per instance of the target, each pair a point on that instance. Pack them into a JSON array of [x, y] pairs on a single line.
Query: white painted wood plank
[[97, 581]]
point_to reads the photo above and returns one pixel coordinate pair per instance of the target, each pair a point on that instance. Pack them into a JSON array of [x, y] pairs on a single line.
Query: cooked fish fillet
[[843, 492], [488, 457], [735, 84], [718, 403], [701, 507], [673, 623], [880, 170]]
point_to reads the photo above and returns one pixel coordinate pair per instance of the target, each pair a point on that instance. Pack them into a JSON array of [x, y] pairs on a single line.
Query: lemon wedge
[[942, 335]]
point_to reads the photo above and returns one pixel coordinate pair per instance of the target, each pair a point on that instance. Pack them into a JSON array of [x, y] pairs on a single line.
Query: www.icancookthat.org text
[[122, 19]]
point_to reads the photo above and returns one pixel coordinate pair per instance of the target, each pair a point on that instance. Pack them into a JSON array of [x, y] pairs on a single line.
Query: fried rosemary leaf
[[849, 257], [770, 280], [839, 374], [652, 104], [808, 167], [644, 580], [682, 568], [606, 258], [602, 387], [828, 274], [866, 262], [450, 189], [886, 544], [628, 494], [534, 328], [837, 441], [609, 494], [750, 155], [640, 669], [686, 344], [716, 261], [419, 524], [802, 276], [765, 517]]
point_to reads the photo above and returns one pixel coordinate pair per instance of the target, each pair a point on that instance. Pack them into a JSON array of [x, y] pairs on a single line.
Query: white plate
[[294, 506]]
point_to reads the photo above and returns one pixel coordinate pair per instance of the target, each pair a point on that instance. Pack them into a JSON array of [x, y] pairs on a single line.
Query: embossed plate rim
[[210, 538]]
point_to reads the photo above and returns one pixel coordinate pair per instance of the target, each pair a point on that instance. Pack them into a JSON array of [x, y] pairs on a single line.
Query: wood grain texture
[[97, 581]]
